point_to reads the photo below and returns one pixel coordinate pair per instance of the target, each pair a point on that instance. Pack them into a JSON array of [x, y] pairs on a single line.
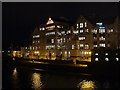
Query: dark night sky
[[20, 19]]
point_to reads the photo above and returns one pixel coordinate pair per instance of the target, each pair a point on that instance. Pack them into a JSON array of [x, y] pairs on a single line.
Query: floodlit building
[[60, 39]]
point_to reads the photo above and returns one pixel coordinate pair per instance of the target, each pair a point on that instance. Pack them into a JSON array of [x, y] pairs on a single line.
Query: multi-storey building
[[60, 39]]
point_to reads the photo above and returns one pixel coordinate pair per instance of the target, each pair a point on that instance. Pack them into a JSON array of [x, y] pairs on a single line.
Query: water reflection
[[86, 85], [15, 73], [15, 80], [36, 81]]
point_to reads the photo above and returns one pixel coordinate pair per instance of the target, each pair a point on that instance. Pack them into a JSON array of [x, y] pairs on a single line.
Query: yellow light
[[83, 65], [36, 81], [86, 85], [90, 53]]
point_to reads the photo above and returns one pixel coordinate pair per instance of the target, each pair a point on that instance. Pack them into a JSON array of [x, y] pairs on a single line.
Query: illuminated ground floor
[[81, 55]]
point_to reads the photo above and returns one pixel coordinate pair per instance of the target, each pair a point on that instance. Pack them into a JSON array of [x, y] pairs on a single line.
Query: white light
[[116, 54], [85, 24], [107, 59], [106, 53], [96, 59], [117, 59], [100, 23], [81, 31], [96, 53]]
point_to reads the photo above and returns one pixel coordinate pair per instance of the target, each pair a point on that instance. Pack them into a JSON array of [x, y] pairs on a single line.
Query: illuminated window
[[36, 36], [81, 31], [30, 48], [81, 38], [75, 32], [73, 46], [106, 53], [86, 30], [81, 25], [85, 24], [102, 45], [52, 40], [26, 48], [68, 32], [38, 41], [106, 59], [33, 42], [96, 53], [40, 29], [94, 31], [95, 46], [101, 30], [43, 28], [81, 45], [96, 59], [50, 33], [102, 38], [63, 32], [86, 46], [33, 48], [117, 59], [77, 25], [111, 30], [50, 21], [59, 26]]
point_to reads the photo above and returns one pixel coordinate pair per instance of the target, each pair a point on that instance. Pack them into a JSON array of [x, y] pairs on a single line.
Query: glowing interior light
[[117, 59], [50, 21], [96, 53], [107, 59], [96, 59], [106, 53]]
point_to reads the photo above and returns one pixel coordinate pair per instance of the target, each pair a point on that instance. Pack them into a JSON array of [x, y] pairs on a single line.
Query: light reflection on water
[[86, 85], [36, 81]]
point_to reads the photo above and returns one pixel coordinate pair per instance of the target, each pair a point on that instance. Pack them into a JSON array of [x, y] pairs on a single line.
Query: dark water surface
[[19, 77]]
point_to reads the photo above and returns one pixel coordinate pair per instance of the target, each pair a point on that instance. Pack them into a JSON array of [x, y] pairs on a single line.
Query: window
[[86, 30], [96, 59], [33, 48], [95, 46], [40, 29], [85, 24], [36, 48], [106, 59], [33, 41], [52, 40], [101, 30], [43, 28], [36, 36], [117, 59], [96, 53], [68, 32], [77, 25], [81, 25], [81, 31], [50, 33], [94, 31], [106, 53], [86, 46], [30, 48], [81, 45], [81, 38], [102, 45], [102, 38], [38, 41], [73, 46], [75, 32]]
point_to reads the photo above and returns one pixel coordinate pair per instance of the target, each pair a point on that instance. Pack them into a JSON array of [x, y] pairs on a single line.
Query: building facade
[[59, 39]]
